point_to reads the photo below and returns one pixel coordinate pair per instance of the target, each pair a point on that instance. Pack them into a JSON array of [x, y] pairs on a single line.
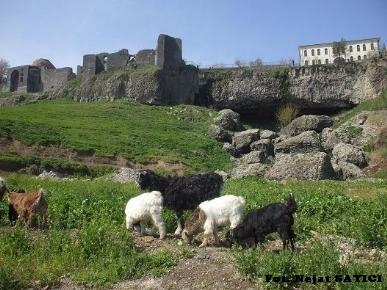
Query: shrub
[[286, 114]]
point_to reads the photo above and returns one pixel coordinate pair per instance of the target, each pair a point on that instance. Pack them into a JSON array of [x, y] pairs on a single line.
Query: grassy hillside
[[138, 133]]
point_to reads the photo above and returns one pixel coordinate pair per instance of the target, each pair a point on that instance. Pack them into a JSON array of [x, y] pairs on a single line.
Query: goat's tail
[[291, 204]]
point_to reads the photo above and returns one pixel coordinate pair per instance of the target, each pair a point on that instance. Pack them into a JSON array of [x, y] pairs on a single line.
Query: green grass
[[139, 133], [87, 239], [378, 103], [356, 209]]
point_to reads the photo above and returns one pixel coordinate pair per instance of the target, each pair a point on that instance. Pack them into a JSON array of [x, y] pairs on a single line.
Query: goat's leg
[[205, 241], [158, 222], [180, 222], [216, 237], [142, 228]]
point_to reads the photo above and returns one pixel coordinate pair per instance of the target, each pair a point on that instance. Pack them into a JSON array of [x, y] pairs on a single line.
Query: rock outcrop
[[260, 90]]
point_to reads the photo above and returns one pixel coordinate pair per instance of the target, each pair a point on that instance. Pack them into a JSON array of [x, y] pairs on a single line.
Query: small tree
[[256, 63], [239, 63], [339, 48], [4, 65]]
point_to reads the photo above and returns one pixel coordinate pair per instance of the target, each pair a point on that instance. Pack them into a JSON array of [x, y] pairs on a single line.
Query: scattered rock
[[349, 153], [268, 134], [242, 140], [229, 120], [244, 170], [264, 145], [219, 134], [307, 123], [306, 142], [307, 166]]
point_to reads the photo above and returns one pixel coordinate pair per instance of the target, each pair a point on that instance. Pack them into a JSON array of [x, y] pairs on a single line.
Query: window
[[359, 57], [364, 57], [319, 61], [372, 46], [326, 61], [350, 48], [364, 47], [351, 58], [313, 62], [306, 63], [358, 47], [312, 52], [305, 53], [318, 51], [326, 51]]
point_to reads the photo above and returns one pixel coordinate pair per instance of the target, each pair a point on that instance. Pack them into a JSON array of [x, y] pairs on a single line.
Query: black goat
[[182, 193], [275, 217]]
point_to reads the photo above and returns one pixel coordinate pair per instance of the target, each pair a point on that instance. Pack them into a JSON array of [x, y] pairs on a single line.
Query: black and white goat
[[275, 217], [182, 193]]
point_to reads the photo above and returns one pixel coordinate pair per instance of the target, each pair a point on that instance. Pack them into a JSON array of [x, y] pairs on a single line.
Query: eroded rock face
[[308, 166], [316, 88]]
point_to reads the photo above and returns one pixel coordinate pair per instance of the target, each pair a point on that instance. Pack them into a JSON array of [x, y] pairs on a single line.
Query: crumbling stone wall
[[24, 78], [146, 56], [55, 78], [169, 52]]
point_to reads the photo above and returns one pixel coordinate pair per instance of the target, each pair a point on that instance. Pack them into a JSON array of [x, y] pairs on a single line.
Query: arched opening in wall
[[14, 81]]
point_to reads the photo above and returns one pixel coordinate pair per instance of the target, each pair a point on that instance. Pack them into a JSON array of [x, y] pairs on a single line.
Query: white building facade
[[322, 53]]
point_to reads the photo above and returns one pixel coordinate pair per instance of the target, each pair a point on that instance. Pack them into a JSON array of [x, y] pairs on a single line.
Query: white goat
[[148, 205], [210, 214]]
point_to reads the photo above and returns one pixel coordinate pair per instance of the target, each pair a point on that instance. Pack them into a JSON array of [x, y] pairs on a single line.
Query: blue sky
[[212, 31]]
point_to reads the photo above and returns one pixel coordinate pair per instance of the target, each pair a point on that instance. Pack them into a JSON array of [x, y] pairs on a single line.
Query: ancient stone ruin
[[42, 75]]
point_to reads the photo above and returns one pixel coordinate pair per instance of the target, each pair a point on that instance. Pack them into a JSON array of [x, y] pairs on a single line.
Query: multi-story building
[[322, 53]]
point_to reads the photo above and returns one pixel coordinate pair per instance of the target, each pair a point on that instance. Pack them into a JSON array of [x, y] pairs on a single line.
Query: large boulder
[[306, 142], [229, 120], [244, 170], [264, 145], [308, 166], [349, 153], [242, 140], [330, 138], [307, 123], [268, 134], [219, 134], [254, 157], [345, 170]]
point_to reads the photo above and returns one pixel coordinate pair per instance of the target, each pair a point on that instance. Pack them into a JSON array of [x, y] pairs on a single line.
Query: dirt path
[[208, 268]]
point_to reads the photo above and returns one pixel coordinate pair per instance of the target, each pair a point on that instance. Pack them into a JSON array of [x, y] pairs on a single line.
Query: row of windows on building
[[318, 61], [350, 49]]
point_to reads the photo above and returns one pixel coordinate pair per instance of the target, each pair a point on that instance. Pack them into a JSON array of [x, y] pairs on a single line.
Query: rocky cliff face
[[150, 85], [260, 90]]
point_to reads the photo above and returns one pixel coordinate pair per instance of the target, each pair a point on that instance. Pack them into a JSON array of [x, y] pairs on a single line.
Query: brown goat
[[28, 206]]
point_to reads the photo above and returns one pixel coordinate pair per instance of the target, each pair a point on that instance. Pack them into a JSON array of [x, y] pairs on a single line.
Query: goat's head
[[193, 225], [150, 180], [3, 188], [291, 204]]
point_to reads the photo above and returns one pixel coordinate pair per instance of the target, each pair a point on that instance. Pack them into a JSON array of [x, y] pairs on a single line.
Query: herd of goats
[[199, 193]]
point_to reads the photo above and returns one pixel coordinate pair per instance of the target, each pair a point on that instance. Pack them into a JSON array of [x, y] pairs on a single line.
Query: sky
[[213, 32]]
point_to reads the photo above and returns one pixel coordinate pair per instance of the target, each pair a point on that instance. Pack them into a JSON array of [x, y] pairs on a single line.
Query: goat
[[211, 214], [275, 217], [142, 207], [182, 193], [28, 206]]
